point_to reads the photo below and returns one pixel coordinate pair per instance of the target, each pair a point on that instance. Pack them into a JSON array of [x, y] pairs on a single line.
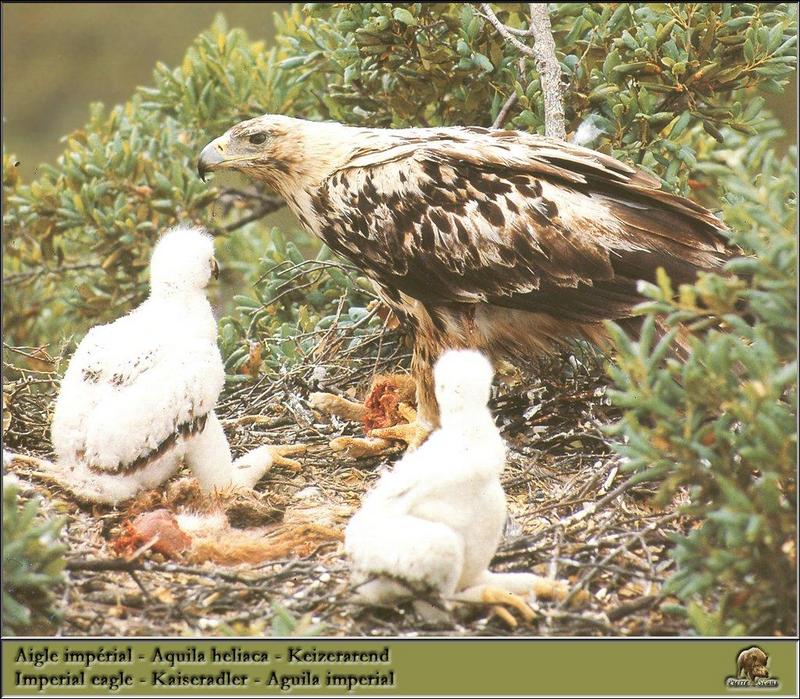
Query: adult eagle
[[477, 238]]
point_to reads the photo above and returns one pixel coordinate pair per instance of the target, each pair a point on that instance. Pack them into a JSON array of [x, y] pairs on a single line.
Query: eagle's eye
[[257, 138]]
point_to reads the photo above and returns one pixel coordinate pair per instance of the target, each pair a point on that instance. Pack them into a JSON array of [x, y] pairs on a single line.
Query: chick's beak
[[214, 268], [212, 156]]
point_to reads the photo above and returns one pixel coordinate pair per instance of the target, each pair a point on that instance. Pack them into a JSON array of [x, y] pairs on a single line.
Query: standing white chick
[[434, 522], [139, 393]]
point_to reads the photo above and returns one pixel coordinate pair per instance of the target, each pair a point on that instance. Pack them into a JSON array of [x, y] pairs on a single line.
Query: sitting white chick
[[138, 396], [433, 523]]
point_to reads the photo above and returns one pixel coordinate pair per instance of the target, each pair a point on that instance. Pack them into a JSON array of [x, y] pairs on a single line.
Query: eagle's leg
[[383, 413], [413, 432], [422, 369], [426, 417], [277, 455], [331, 404], [360, 447], [208, 455], [533, 586], [356, 447], [249, 468], [387, 418]]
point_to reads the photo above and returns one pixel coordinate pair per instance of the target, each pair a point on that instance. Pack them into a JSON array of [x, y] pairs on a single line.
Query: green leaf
[[404, 16], [482, 62]]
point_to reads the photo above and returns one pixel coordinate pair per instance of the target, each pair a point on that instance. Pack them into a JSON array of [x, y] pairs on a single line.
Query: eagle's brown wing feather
[[515, 221]]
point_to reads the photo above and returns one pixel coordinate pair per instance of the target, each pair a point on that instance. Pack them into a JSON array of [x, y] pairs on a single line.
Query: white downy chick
[[433, 523], [139, 393], [435, 520]]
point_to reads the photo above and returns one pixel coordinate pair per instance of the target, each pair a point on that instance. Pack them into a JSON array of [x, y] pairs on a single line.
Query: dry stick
[[503, 113], [512, 99], [176, 608], [544, 53], [594, 567], [505, 33], [583, 618], [123, 566], [267, 208], [627, 608], [523, 542]]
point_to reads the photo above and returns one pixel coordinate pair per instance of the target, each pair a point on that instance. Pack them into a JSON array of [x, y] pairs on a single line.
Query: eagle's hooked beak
[[212, 156], [214, 268]]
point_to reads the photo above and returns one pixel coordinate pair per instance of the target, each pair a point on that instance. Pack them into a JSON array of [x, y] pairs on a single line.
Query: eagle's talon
[[331, 404], [498, 596], [505, 616], [556, 590], [279, 453], [412, 433], [407, 412]]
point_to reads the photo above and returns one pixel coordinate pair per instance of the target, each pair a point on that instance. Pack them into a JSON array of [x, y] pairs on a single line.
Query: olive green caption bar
[[306, 667]]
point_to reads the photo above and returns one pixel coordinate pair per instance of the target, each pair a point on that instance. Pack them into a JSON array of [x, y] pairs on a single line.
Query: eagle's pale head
[[283, 152]]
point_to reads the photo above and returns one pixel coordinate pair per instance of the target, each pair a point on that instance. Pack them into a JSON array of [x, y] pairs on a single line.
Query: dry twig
[[558, 461]]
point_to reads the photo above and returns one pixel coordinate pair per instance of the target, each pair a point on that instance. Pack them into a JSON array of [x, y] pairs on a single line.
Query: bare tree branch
[[549, 71], [505, 32], [544, 53], [503, 113], [270, 205]]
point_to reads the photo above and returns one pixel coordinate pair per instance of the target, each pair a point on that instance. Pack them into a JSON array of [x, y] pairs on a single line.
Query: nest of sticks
[[575, 513]]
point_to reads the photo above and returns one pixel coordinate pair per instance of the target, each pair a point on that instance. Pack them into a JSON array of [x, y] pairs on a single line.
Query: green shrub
[[722, 423], [33, 560], [656, 81], [77, 239], [293, 303]]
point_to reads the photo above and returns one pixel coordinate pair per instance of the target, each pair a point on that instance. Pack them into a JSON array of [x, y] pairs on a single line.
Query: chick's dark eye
[[257, 138]]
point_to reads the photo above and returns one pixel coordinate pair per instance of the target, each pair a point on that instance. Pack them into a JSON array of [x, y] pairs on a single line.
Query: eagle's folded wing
[[521, 222], [112, 355], [419, 478], [120, 406]]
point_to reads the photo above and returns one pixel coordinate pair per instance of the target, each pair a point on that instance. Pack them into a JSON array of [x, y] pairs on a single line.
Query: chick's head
[[183, 260], [463, 381]]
